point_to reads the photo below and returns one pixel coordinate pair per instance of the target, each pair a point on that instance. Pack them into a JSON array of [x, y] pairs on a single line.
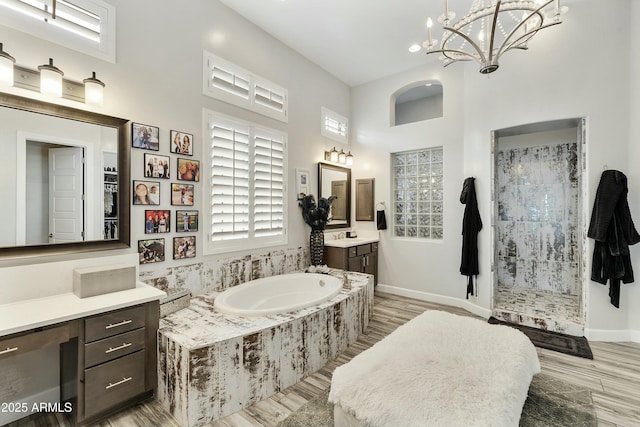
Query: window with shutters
[[88, 26], [230, 83], [334, 125], [246, 192]]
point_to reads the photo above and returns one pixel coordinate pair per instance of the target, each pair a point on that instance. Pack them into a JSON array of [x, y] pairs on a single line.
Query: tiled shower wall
[[537, 227]]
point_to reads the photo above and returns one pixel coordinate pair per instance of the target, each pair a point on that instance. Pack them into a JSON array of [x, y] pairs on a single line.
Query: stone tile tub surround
[[211, 365], [221, 273]]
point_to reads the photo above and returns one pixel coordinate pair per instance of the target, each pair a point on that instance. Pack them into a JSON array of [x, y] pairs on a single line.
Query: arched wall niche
[[417, 101]]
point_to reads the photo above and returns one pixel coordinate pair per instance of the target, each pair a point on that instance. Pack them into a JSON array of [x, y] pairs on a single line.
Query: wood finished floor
[[613, 376]]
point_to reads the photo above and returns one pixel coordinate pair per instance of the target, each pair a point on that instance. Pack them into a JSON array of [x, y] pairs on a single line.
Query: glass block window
[[418, 194]]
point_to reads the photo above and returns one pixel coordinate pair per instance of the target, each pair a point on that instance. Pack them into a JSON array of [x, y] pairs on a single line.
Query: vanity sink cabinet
[[362, 258], [107, 357]]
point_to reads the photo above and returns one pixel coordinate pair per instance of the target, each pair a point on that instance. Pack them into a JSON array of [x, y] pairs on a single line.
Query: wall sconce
[[6, 68], [341, 157], [93, 90], [50, 79]]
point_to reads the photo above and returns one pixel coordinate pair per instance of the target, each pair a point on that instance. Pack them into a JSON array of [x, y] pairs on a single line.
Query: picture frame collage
[[147, 191]]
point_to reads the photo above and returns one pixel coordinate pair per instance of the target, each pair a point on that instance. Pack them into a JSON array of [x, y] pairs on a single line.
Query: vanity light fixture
[[93, 90], [333, 155], [490, 29], [6, 68], [349, 159], [342, 157], [50, 79]]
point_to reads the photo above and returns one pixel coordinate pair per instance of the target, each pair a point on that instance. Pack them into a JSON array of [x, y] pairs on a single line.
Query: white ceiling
[[355, 40]]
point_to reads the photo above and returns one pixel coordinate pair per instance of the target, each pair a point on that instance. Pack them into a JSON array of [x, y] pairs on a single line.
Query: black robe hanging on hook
[[471, 226], [613, 230]]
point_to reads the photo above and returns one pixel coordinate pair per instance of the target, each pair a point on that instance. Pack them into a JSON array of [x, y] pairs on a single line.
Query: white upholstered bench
[[439, 369]]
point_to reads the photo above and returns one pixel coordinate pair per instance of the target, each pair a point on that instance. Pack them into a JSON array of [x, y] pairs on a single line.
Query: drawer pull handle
[[122, 381], [115, 325], [120, 347], [8, 350]]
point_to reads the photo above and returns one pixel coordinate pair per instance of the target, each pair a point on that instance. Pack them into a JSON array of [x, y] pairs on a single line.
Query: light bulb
[[6, 68], [50, 79], [93, 90]]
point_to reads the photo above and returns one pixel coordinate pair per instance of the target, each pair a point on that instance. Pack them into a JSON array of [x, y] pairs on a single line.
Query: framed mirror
[[336, 181], [64, 179]]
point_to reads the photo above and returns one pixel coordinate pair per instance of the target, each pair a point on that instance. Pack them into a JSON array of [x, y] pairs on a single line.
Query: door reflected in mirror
[[60, 173], [336, 181]]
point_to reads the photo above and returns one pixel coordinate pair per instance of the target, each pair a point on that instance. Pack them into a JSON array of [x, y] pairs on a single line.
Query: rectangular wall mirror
[[364, 199], [336, 181], [64, 177]]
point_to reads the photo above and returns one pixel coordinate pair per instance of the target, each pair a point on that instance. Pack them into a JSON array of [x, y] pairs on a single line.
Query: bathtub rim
[[241, 312]]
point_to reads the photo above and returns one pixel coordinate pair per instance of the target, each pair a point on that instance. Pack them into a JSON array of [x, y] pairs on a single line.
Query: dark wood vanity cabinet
[[361, 258], [112, 362]]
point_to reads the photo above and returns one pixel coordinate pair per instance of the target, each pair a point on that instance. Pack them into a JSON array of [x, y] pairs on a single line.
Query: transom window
[[418, 193], [334, 125], [88, 26], [230, 83], [246, 192]]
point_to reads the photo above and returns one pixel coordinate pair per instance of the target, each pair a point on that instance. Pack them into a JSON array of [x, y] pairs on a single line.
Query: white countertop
[[364, 237], [33, 313]]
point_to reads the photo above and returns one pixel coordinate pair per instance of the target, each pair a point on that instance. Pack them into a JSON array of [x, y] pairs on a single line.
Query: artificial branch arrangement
[[316, 216]]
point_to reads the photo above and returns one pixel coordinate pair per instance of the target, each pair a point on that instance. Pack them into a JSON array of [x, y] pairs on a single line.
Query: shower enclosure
[[539, 225]]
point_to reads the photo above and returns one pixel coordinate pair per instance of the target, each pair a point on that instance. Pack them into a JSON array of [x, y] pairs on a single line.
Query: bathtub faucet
[[345, 281]]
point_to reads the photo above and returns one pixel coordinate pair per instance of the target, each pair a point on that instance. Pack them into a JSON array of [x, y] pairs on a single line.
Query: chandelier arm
[[467, 38], [529, 34], [461, 52], [504, 46], [493, 31]]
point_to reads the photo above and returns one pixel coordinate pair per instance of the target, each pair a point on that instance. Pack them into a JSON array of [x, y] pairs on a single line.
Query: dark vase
[[316, 247]]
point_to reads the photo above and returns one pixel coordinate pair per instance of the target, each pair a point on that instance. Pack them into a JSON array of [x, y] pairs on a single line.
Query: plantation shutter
[[66, 15], [230, 210], [224, 78], [269, 97], [269, 183]]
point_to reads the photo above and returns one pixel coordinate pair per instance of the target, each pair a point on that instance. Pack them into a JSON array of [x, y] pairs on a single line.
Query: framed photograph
[[186, 221], [151, 250], [157, 221], [303, 182], [182, 194], [156, 166], [184, 247], [146, 192], [188, 170], [181, 143], [145, 136]]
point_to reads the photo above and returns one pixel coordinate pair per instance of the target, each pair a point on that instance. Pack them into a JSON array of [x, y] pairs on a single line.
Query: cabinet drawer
[[113, 323], [363, 249], [113, 382], [14, 345], [352, 251], [113, 347]]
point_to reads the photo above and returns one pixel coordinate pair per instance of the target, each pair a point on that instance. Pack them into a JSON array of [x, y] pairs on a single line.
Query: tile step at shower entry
[[555, 325]]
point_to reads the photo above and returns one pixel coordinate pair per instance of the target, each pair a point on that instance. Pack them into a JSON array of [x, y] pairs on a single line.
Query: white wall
[[157, 80], [631, 293], [577, 69]]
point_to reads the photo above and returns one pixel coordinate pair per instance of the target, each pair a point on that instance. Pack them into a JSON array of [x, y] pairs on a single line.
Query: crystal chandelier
[[491, 28]]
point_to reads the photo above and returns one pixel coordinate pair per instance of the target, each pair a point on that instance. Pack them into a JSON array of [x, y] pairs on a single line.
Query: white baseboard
[[623, 335], [620, 335], [440, 299], [16, 410]]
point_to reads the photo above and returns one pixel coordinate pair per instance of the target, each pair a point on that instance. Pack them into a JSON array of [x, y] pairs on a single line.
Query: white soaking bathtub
[[277, 294], [212, 364]]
